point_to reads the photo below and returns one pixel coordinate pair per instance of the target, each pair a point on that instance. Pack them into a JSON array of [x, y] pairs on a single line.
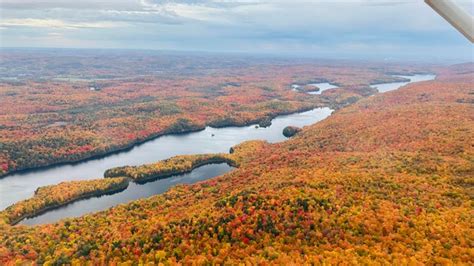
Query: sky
[[381, 29]]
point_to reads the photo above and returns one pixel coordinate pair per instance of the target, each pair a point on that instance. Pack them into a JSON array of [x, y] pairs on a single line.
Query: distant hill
[[388, 179], [72, 105]]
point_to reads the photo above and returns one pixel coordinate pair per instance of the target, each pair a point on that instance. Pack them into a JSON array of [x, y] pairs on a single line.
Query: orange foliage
[[53, 196], [61, 120], [387, 180]]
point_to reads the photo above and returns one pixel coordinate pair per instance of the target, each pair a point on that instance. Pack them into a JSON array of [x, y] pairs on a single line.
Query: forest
[[79, 105], [117, 179], [173, 166], [49, 197], [385, 180]]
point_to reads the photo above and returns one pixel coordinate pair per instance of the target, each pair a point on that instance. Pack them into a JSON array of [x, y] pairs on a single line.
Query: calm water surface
[[322, 87], [133, 192], [211, 140], [395, 85]]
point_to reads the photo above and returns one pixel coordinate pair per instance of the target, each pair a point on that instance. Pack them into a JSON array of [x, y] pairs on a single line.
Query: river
[[395, 85], [321, 87], [22, 185], [210, 140], [134, 191]]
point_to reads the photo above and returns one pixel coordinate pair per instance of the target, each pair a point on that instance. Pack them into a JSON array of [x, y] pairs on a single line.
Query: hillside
[[78, 106], [388, 179]]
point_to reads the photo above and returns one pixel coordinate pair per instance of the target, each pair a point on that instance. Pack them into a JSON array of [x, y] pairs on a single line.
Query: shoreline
[[402, 76], [162, 175], [213, 124], [93, 194], [145, 180], [232, 159], [134, 144], [120, 188]]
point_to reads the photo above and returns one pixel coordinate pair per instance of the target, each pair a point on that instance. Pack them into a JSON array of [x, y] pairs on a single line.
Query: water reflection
[[133, 192], [211, 140]]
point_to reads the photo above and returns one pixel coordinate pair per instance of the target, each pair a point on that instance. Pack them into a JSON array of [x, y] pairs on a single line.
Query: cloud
[[66, 4], [54, 23], [361, 27]]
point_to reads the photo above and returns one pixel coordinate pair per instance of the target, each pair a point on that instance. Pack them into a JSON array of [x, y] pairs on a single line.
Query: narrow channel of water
[[322, 87], [395, 85], [133, 192], [21, 186], [211, 140]]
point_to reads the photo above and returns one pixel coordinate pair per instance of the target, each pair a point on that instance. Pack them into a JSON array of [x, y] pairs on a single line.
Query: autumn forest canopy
[[80, 104], [387, 178]]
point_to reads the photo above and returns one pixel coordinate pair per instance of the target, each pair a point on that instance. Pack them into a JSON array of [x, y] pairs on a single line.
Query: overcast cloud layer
[[348, 29]]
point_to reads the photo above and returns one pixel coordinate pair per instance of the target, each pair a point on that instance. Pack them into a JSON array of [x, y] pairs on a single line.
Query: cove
[[385, 87], [322, 87], [22, 185], [210, 140], [133, 192]]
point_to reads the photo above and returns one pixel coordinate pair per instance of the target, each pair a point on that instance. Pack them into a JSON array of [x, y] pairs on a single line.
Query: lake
[[22, 185], [210, 140], [395, 85], [322, 87], [134, 191]]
